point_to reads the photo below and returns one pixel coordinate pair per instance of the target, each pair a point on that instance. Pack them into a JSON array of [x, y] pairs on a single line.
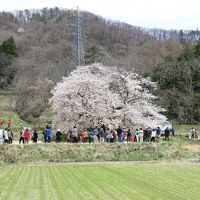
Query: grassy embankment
[[64, 152], [7, 112]]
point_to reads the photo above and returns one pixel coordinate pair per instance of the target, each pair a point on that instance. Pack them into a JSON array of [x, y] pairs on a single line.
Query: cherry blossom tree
[[96, 94], [137, 103]]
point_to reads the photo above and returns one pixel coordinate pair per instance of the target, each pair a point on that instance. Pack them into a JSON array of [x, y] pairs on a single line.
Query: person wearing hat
[[58, 136]]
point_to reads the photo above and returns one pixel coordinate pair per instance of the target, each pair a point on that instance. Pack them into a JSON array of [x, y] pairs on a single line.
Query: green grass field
[[126, 180]]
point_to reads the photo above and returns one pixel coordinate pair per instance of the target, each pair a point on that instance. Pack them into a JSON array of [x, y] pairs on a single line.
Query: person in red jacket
[[1, 122], [27, 136], [9, 123]]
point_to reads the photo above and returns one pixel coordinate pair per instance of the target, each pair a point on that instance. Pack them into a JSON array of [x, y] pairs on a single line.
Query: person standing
[[84, 135], [153, 135], [1, 136], [27, 136], [128, 135], [108, 135], [58, 136], [111, 136], [194, 133], [5, 135], [119, 134], [95, 135], [35, 136], [102, 135], [167, 132], [141, 134], [104, 128], [48, 134], [158, 131], [74, 135], [145, 135], [69, 136], [89, 136], [137, 135], [10, 136], [1, 122], [173, 131], [21, 136], [148, 134], [9, 123], [114, 135]]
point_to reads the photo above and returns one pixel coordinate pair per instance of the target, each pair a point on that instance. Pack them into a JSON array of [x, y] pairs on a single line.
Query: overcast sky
[[168, 14]]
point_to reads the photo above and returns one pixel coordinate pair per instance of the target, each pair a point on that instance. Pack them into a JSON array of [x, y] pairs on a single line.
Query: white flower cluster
[[96, 94]]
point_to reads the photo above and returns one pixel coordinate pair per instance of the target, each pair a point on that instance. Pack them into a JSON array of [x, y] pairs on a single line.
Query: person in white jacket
[[1, 136], [153, 135], [5, 135], [141, 134]]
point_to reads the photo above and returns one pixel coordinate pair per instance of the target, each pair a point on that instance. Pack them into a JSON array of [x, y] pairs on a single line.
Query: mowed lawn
[[126, 180]]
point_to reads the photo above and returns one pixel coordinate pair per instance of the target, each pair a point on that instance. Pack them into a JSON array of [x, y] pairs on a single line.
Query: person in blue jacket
[[48, 134]]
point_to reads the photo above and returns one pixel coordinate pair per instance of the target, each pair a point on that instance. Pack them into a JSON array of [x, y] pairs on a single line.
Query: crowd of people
[[96, 135], [120, 134], [6, 135]]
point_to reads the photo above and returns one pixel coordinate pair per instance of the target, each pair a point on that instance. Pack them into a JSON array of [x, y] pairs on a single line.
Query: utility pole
[[79, 52]]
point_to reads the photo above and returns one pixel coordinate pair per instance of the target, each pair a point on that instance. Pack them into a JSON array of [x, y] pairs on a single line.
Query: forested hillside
[[41, 51]]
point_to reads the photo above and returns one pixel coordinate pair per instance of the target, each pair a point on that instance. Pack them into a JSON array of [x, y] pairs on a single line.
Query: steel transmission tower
[[79, 52]]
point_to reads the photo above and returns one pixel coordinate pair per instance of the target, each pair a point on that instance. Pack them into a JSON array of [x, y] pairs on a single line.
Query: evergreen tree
[[9, 47], [8, 52], [197, 49], [92, 55], [188, 53]]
